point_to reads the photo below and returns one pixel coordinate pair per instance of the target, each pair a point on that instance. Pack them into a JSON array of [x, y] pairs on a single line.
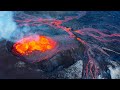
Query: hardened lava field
[[60, 44]]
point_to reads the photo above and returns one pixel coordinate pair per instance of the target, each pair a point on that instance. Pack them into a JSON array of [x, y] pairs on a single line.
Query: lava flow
[[98, 43], [29, 44]]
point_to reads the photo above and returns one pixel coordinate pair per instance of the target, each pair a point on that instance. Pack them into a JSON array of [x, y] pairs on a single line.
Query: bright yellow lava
[[32, 43]]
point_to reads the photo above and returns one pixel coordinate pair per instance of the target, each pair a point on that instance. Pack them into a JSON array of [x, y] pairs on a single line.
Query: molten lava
[[29, 44]]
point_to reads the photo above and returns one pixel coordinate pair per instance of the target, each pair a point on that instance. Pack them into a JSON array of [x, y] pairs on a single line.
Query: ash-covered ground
[[70, 63]]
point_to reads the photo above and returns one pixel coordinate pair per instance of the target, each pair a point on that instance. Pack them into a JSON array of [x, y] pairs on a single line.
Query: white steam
[[7, 25]]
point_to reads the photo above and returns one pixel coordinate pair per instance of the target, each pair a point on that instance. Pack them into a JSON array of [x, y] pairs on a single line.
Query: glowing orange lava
[[33, 43]]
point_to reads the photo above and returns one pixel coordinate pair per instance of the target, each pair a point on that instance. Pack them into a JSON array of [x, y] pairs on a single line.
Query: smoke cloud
[[7, 25]]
